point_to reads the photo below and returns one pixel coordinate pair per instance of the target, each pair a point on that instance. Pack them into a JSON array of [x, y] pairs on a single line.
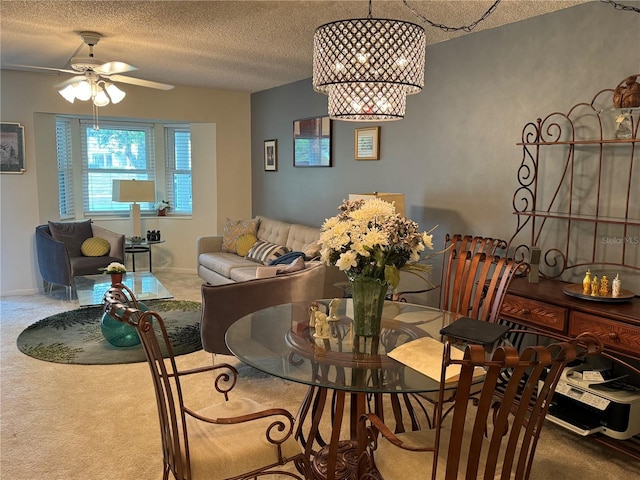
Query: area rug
[[75, 336]]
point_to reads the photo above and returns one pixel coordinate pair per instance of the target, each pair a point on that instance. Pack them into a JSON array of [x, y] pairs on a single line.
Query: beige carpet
[[95, 422]]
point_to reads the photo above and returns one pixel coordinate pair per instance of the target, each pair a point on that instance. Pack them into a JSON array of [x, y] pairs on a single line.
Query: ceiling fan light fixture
[[83, 90], [69, 93], [101, 99], [368, 66], [115, 94]]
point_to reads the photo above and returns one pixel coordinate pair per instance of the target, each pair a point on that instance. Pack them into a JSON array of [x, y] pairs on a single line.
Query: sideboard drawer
[[536, 313], [615, 335]]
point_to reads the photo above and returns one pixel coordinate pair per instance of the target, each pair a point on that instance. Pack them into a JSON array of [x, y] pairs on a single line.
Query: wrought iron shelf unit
[[578, 198], [578, 201]]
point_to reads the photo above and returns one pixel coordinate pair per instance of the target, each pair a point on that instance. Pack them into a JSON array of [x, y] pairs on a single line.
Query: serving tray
[[575, 290]]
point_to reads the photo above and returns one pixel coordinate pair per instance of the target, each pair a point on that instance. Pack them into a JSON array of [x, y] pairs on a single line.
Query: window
[[65, 168], [122, 151], [178, 169]]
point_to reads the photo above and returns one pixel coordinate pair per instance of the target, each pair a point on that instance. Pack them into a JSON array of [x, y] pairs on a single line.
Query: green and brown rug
[[75, 336]]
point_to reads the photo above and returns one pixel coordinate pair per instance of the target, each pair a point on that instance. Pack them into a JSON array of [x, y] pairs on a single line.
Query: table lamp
[[397, 198], [134, 191]]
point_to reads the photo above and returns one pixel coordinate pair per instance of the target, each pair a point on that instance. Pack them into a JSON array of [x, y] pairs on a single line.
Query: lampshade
[[134, 191], [368, 66], [395, 198]]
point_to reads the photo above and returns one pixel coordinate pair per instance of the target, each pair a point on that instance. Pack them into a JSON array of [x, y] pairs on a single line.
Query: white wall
[[220, 160]]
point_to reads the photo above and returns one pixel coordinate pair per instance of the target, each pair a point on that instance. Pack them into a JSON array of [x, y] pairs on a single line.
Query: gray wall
[[455, 154]]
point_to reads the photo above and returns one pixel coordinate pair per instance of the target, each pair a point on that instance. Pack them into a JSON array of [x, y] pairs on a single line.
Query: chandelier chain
[[466, 28], [619, 6]]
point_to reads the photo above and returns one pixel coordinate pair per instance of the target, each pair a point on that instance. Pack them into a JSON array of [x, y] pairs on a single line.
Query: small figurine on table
[[333, 309], [595, 286], [313, 308], [616, 286], [322, 326], [604, 286]]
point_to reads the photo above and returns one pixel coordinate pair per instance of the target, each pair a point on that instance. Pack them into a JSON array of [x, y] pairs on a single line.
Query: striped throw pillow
[[234, 229], [263, 252], [95, 247]]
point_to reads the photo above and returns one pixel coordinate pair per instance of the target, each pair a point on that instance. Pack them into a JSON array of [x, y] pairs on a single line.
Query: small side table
[[142, 247]]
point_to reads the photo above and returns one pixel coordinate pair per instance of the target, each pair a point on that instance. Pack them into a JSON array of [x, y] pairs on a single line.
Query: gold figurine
[[595, 286], [604, 286], [586, 283]]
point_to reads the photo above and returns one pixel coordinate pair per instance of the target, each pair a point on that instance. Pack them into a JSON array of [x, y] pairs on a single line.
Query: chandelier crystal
[[368, 66]]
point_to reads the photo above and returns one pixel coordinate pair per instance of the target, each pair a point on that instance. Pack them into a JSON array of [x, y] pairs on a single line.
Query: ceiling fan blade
[[71, 81], [111, 68], [32, 67], [140, 82]]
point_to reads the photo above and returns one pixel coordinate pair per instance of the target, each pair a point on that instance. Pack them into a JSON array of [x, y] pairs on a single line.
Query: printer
[[586, 402]]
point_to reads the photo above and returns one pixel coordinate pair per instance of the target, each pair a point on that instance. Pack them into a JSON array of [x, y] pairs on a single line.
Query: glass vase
[[368, 300], [120, 334]]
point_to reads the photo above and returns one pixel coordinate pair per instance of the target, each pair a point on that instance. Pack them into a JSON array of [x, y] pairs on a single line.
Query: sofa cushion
[[311, 250], [273, 270], [300, 236], [223, 263], [234, 229], [263, 252], [244, 243], [95, 247], [72, 234], [273, 231]]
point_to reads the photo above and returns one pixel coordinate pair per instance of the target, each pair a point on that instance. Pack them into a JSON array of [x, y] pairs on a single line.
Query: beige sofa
[[219, 268]]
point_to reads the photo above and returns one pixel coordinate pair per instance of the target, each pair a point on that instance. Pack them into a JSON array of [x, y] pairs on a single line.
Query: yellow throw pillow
[[234, 229], [244, 243], [95, 247]]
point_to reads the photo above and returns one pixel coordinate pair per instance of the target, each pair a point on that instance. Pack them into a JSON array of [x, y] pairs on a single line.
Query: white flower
[[115, 267], [369, 238]]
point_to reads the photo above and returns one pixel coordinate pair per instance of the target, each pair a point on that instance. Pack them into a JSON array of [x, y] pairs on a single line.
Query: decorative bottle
[[595, 286], [616, 288], [604, 286], [586, 283]]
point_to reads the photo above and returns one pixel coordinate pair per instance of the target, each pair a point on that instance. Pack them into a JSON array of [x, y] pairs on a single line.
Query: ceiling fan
[[93, 77]]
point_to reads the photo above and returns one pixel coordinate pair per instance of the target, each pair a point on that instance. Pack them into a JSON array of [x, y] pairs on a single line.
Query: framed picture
[[312, 142], [367, 143], [271, 155], [12, 148]]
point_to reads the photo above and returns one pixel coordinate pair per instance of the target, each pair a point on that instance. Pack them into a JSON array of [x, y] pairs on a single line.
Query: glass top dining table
[[355, 372], [279, 341]]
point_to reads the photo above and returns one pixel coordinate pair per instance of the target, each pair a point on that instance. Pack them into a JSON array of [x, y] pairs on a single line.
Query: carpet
[[76, 337]]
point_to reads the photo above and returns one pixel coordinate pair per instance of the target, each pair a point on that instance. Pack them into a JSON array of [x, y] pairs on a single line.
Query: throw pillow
[[72, 234], [234, 229], [244, 243], [295, 266], [311, 250], [263, 252], [95, 247]]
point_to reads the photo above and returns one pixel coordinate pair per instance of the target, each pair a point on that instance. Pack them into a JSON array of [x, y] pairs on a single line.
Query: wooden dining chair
[[488, 438], [452, 245], [233, 439], [476, 283]]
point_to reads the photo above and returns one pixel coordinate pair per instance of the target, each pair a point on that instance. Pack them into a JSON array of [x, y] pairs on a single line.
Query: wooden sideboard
[[546, 308]]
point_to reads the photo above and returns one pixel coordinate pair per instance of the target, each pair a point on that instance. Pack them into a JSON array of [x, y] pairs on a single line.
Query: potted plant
[[162, 207], [116, 270]]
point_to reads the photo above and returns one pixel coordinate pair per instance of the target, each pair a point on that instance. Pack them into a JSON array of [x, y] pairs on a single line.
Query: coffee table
[[91, 288]]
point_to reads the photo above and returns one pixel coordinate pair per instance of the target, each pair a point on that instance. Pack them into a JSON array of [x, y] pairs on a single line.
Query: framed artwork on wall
[[367, 143], [312, 142], [12, 148], [271, 155]]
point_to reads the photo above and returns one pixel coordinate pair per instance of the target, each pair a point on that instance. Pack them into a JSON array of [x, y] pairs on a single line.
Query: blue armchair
[[60, 260]]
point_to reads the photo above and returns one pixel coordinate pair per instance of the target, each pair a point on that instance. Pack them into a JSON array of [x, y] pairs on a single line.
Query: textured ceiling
[[238, 45]]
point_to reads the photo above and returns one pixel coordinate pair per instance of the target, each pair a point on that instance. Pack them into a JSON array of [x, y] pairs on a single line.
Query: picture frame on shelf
[[271, 155], [12, 148], [312, 142], [367, 143]]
